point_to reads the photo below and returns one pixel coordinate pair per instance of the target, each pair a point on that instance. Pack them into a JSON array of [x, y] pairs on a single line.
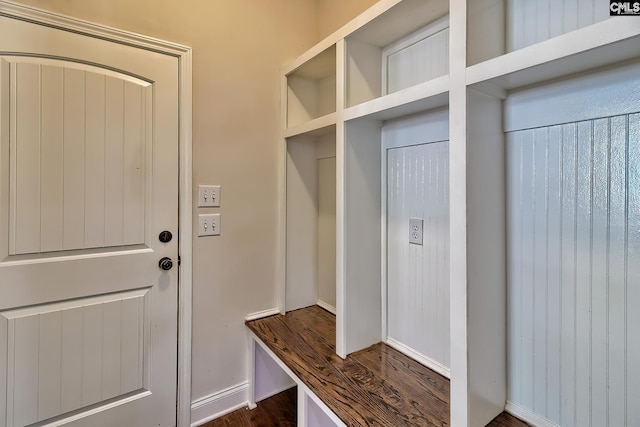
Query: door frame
[[184, 56]]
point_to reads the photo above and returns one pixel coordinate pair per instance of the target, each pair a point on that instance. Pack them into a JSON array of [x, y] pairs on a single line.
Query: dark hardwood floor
[[377, 386], [277, 411], [280, 411]]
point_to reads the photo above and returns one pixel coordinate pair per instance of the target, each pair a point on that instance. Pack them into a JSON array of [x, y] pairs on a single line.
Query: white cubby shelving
[[311, 90], [398, 61]]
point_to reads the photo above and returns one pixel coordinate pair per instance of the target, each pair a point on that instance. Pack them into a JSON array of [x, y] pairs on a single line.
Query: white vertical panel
[[362, 306], [130, 354], [362, 72], [543, 17], [417, 62], [302, 100], [51, 172], [514, 273], [269, 377], [7, 234], [599, 279], [111, 349], [327, 230], [417, 276], [586, 12], [583, 268], [74, 152], [326, 90], [540, 143], [25, 372], [68, 355], [77, 159], [4, 340], [302, 223], [133, 169], [527, 293], [554, 244], [632, 301], [94, 161], [533, 21], [26, 151], [72, 356], [50, 362], [114, 167], [92, 353], [568, 271], [617, 270], [573, 209]]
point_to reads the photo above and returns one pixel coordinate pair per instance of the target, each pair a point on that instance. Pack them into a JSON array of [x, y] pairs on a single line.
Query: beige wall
[[332, 14], [239, 47]]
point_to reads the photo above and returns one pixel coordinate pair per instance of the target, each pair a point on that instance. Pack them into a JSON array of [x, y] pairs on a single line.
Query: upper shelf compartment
[[311, 89], [543, 40], [403, 47]]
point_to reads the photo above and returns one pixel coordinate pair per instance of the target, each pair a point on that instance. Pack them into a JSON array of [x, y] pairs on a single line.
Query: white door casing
[[88, 178]]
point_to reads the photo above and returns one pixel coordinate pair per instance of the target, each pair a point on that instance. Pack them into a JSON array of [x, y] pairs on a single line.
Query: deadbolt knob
[[165, 236], [165, 263]]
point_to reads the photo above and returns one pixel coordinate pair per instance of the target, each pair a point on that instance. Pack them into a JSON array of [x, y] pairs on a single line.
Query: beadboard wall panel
[[418, 276], [91, 128], [533, 21], [574, 252], [417, 58]]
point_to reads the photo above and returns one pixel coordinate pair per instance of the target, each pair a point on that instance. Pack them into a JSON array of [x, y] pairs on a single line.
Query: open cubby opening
[[497, 27], [311, 89], [386, 55], [311, 220]]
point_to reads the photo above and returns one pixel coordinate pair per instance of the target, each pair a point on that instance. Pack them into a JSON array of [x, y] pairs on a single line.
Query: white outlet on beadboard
[[208, 196], [209, 225], [415, 231]]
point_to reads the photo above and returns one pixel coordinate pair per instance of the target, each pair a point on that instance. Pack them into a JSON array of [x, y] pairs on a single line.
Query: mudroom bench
[[377, 386]]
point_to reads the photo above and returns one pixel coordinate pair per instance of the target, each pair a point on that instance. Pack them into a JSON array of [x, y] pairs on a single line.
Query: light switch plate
[[415, 231], [208, 196], [209, 225]]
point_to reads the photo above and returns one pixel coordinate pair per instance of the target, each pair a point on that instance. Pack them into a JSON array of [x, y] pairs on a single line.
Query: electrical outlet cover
[[415, 231]]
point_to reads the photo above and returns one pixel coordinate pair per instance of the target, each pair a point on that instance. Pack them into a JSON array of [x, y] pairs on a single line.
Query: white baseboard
[[420, 358], [331, 309], [527, 416], [261, 314], [218, 404]]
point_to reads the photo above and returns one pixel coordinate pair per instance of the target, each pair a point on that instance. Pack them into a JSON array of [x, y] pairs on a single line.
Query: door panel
[[77, 157], [88, 179], [69, 355]]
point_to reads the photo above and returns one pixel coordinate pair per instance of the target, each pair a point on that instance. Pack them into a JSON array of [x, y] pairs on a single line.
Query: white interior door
[[88, 180]]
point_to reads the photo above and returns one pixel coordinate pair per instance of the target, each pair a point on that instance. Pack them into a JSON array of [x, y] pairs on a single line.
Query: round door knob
[[165, 263], [165, 236]]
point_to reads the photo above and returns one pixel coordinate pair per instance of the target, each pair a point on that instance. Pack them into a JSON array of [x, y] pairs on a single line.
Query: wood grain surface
[[277, 411], [377, 386]]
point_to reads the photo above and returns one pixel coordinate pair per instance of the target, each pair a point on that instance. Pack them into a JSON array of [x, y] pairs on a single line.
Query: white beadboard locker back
[[574, 236], [511, 126], [417, 280]]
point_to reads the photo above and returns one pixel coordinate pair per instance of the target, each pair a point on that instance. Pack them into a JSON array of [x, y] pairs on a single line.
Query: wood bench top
[[377, 386]]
